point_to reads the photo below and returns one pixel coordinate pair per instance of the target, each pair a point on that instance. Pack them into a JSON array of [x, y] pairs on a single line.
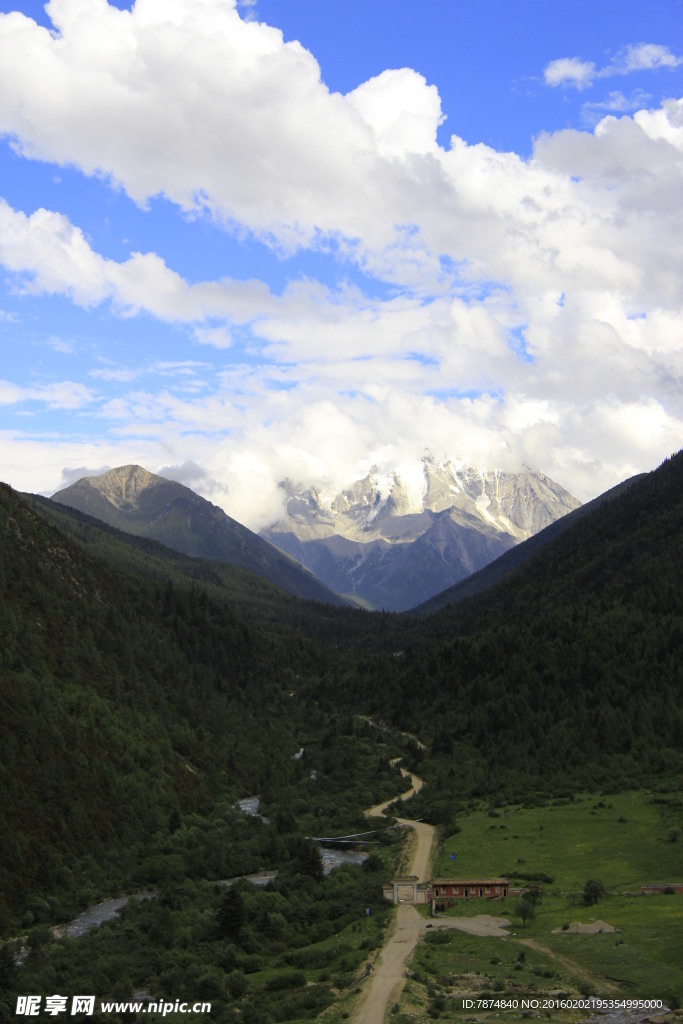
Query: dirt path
[[385, 985], [415, 787]]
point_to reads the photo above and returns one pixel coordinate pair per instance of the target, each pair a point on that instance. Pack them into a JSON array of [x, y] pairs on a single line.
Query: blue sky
[[244, 242]]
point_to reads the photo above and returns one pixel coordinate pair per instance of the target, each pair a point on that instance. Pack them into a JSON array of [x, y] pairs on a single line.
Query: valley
[[145, 692], [341, 512]]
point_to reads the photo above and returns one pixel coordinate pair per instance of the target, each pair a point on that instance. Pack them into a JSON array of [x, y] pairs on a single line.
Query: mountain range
[[391, 541]]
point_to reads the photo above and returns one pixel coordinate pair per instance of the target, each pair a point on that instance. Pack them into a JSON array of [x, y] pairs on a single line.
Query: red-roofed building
[[445, 891]]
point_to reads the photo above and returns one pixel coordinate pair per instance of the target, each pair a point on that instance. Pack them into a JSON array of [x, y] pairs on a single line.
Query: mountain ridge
[[136, 501], [494, 572]]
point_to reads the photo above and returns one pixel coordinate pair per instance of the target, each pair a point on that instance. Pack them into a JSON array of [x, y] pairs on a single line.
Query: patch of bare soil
[[592, 928], [482, 924]]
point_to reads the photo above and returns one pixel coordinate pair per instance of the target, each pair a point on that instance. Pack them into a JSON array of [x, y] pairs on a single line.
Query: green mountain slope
[[566, 674], [247, 593], [497, 570], [138, 502], [123, 699]]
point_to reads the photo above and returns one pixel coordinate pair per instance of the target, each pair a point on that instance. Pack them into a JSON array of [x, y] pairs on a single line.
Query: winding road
[[388, 978], [384, 986]]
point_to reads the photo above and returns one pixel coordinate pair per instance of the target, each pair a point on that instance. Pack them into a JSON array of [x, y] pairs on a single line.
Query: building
[[407, 890], [445, 891]]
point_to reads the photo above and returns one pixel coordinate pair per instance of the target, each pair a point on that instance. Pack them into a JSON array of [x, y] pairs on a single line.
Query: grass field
[[625, 840], [622, 839]]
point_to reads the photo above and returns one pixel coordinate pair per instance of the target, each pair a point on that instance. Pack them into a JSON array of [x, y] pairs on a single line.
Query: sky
[[248, 241]]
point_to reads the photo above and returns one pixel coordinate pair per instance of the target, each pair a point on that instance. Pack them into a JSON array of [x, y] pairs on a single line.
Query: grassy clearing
[[622, 839]]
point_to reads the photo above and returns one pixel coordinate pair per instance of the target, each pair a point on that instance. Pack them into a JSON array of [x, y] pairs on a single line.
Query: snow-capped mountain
[[397, 537]]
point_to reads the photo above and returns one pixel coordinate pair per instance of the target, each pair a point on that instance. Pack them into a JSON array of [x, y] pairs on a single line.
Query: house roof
[[470, 881]]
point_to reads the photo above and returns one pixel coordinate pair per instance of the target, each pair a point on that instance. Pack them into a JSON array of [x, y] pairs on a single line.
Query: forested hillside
[[127, 699], [567, 674]]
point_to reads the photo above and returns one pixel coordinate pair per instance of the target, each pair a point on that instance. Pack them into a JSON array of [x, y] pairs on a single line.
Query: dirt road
[[385, 985]]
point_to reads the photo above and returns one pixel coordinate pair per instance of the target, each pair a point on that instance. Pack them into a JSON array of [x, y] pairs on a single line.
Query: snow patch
[[482, 503]]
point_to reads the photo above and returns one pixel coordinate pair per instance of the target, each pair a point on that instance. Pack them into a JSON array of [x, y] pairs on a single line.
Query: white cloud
[[643, 57], [402, 110], [581, 74], [570, 71], [61, 345], [186, 100], [615, 103], [218, 337], [182, 98], [66, 394]]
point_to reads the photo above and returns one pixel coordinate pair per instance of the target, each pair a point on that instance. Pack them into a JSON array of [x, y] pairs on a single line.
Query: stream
[[98, 914], [94, 916]]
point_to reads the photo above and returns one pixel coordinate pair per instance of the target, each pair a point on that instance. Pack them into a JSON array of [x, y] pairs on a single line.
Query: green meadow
[[622, 839], [625, 840]]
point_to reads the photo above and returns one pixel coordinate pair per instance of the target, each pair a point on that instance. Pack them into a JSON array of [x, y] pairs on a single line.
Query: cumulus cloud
[[50, 255], [535, 310], [186, 100]]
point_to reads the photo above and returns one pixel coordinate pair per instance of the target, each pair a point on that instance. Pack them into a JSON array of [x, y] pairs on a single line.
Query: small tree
[[231, 914], [525, 909], [593, 890]]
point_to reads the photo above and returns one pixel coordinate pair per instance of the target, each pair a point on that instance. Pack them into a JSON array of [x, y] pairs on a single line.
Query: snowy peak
[[404, 533], [518, 504]]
